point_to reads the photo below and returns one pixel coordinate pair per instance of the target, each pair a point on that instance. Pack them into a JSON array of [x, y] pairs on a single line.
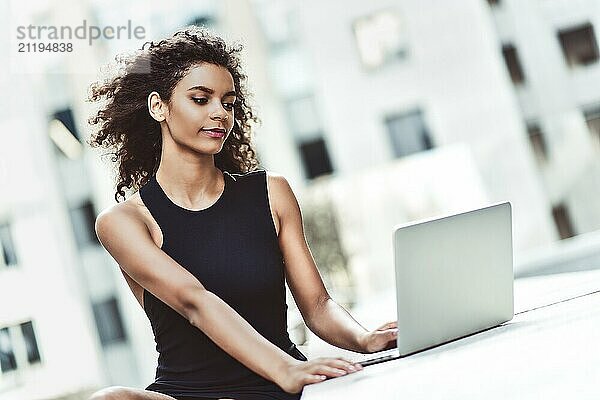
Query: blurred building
[[68, 323], [550, 49], [401, 110], [377, 113], [63, 332]]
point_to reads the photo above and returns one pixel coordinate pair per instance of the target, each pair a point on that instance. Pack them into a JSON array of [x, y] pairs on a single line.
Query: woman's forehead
[[211, 76]]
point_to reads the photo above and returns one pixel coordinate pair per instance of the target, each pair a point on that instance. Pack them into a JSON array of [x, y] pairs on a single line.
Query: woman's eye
[[202, 100]]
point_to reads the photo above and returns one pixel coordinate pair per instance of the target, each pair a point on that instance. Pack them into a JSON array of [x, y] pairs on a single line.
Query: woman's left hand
[[382, 338]]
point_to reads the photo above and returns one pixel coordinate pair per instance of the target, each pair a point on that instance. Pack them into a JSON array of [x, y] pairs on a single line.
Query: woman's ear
[[156, 107]]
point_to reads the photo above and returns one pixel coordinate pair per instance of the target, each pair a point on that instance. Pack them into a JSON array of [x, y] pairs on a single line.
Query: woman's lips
[[213, 134]]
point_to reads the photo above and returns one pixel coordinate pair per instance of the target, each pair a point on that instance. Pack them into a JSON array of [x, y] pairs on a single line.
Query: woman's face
[[200, 115]]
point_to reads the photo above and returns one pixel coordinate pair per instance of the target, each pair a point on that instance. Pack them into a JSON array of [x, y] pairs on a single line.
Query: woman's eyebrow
[[211, 91]]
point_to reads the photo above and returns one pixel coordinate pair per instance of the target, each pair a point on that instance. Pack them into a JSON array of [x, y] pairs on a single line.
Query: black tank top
[[233, 250]]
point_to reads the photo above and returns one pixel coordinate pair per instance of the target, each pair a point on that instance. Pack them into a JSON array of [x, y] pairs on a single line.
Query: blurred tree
[[322, 235]]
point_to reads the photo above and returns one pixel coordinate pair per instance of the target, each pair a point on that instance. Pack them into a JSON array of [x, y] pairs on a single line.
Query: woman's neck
[[191, 183]]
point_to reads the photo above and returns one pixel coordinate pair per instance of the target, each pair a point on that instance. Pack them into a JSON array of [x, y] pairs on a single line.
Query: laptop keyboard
[[376, 358]]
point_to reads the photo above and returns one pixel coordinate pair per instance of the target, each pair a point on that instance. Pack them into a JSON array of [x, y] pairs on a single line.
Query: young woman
[[208, 240]]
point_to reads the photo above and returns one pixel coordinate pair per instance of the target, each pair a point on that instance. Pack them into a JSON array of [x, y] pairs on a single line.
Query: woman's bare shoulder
[[132, 207], [277, 186], [132, 210]]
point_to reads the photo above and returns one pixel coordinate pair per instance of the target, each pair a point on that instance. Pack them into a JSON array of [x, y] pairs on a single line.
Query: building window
[[7, 247], [303, 117], [8, 361], [592, 119], [65, 143], [109, 321], [202, 21], [579, 45], [290, 71], [279, 23], [563, 221], [408, 133], [18, 342], [380, 38], [66, 117], [538, 143], [315, 158], [83, 219], [511, 58], [33, 353]]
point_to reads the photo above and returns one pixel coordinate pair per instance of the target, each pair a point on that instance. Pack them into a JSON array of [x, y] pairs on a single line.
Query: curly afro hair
[[124, 126]]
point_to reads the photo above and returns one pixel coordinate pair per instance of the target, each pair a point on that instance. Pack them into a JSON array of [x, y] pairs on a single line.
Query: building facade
[[377, 113]]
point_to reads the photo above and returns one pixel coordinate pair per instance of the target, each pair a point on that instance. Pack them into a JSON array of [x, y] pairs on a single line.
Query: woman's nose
[[219, 112]]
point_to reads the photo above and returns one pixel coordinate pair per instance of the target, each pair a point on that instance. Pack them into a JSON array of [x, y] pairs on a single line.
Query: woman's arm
[[128, 241], [327, 319]]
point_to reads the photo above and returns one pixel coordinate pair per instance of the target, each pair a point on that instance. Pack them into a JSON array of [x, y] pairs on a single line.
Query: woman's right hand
[[300, 373]]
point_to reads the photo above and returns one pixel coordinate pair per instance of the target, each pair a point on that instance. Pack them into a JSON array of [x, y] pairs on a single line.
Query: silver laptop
[[454, 278]]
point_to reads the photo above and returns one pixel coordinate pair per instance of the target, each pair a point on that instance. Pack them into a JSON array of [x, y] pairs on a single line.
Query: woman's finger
[[389, 335], [389, 325], [342, 363], [328, 371], [338, 362], [310, 379], [392, 333]]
